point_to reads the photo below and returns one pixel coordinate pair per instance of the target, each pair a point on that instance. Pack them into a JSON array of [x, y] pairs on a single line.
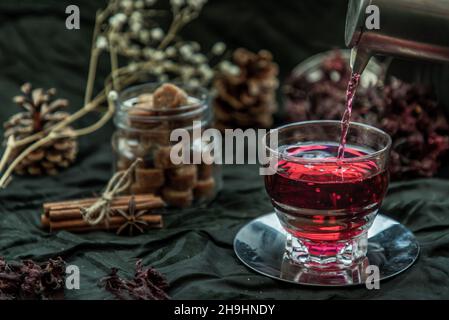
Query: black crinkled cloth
[[194, 250]]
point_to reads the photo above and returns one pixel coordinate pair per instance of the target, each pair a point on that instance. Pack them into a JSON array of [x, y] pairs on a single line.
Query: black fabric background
[[195, 249]]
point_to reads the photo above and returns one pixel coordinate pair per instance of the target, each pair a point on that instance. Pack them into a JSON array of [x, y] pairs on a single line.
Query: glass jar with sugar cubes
[[145, 119]]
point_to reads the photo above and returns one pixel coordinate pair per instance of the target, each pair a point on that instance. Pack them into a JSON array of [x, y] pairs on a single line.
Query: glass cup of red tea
[[325, 203]]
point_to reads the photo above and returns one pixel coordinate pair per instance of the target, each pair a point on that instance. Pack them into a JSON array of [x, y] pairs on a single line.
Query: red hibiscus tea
[[327, 203]]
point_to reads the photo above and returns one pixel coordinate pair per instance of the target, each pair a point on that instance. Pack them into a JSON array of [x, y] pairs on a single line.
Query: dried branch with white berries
[[131, 30]]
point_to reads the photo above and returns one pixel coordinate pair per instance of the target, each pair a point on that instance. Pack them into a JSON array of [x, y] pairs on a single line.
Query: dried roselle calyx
[[419, 129], [169, 96], [53, 276], [410, 113]]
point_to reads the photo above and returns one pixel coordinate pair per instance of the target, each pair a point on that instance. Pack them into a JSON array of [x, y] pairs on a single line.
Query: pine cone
[[247, 99], [41, 112]]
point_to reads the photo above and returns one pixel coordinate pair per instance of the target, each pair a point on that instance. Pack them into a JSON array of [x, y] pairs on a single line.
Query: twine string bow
[[100, 211]]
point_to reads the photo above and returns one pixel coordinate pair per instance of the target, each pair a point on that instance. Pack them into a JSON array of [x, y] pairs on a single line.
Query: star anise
[[133, 218]]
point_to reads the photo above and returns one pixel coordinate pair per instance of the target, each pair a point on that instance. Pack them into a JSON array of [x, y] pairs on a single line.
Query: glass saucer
[[260, 246]]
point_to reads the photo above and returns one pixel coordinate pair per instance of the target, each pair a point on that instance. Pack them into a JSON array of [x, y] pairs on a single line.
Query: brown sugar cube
[[140, 113], [159, 135], [140, 110], [145, 100], [162, 158], [147, 145], [138, 117], [204, 188], [169, 96], [182, 178], [205, 171], [150, 178], [185, 122], [180, 199], [138, 189]]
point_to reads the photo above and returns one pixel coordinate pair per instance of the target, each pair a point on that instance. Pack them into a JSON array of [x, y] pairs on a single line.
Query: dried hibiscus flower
[[416, 123], [32, 281], [408, 112], [148, 284]]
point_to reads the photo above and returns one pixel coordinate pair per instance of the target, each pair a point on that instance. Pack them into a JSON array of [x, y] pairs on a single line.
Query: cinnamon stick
[[75, 213]]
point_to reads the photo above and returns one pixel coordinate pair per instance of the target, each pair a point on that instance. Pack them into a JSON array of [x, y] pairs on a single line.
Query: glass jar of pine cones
[[145, 119]]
